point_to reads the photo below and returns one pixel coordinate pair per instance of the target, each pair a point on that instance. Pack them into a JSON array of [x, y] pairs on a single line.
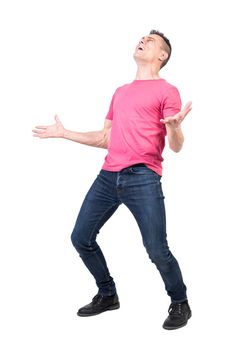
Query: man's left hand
[[175, 121]]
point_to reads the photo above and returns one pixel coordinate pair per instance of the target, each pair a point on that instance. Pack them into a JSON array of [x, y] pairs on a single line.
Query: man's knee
[[83, 240], [77, 242]]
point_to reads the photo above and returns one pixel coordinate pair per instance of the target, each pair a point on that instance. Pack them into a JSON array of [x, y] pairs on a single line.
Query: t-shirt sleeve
[[171, 102], [110, 112]]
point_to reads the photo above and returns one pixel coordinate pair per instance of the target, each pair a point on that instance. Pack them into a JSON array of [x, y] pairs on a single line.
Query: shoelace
[[175, 309]]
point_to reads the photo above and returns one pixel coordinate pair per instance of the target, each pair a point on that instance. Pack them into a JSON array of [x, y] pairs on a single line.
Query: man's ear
[[163, 56]]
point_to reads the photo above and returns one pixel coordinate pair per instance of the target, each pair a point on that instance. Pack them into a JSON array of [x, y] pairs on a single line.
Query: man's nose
[[143, 40]]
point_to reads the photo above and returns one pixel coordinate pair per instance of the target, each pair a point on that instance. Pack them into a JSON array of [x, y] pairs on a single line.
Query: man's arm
[[94, 138], [173, 127], [175, 138]]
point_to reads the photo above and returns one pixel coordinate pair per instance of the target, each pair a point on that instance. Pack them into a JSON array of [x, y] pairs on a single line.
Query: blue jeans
[[139, 188]]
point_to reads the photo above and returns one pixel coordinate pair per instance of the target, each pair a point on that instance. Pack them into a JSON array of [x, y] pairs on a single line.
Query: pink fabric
[[137, 135]]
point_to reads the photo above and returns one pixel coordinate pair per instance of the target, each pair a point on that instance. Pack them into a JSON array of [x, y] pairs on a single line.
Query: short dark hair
[[167, 46]]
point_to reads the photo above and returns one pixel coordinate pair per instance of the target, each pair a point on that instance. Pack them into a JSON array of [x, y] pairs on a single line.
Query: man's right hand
[[55, 130], [98, 139]]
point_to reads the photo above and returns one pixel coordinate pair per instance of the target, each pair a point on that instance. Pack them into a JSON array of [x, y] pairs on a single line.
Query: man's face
[[149, 49]]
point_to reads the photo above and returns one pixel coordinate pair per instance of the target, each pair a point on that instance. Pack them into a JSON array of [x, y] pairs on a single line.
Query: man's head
[[154, 48]]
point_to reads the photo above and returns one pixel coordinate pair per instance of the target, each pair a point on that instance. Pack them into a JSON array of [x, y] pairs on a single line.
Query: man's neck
[[147, 73]]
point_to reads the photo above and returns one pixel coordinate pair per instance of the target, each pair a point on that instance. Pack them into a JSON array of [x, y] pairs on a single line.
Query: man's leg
[[98, 206], [143, 195]]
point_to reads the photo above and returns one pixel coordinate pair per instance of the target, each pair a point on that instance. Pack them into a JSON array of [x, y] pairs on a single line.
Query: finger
[[188, 105], [181, 115], [38, 131], [187, 108], [171, 119], [185, 112], [57, 119], [41, 127], [167, 120], [37, 135]]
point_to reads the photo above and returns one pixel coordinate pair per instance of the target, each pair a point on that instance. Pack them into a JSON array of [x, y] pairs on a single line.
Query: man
[[141, 114]]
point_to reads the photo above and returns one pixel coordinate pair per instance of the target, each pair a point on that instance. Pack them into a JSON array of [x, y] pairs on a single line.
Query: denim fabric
[[139, 188]]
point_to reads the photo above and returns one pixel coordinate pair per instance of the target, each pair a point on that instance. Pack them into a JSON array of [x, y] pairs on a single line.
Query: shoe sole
[[108, 308], [182, 325]]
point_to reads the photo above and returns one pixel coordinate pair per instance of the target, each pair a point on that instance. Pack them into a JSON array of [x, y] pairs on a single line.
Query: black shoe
[[179, 313], [99, 304]]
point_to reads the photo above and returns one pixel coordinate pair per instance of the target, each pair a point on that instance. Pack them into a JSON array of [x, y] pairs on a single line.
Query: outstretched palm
[[176, 120], [55, 130]]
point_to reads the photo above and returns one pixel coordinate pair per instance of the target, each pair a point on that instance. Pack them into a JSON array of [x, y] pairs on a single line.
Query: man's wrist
[[176, 128], [64, 135]]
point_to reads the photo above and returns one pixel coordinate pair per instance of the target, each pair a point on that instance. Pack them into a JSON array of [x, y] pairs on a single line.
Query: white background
[[68, 57]]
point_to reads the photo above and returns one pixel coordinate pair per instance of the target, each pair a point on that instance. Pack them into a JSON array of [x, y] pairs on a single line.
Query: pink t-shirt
[[137, 135]]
